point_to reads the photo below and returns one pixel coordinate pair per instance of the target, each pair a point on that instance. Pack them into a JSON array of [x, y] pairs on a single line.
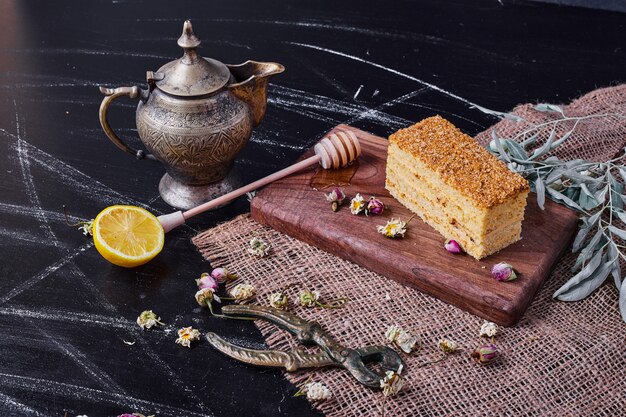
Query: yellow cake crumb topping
[[460, 161]]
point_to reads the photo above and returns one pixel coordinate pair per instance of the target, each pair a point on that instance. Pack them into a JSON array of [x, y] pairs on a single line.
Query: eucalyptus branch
[[593, 189]]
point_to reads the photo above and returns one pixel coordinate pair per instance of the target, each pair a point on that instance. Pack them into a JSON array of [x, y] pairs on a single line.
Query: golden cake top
[[460, 161]]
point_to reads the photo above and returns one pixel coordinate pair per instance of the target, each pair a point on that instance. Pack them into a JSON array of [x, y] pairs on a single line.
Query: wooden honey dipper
[[334, 151]]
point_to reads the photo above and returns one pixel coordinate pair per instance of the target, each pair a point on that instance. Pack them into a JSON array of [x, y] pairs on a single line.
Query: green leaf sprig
[[594, 189]]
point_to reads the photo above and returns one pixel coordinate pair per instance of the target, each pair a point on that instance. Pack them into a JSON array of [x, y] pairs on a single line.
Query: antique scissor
[[308, 333]]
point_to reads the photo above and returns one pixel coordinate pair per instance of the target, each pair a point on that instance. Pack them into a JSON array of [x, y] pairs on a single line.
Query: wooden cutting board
[[418, 260]]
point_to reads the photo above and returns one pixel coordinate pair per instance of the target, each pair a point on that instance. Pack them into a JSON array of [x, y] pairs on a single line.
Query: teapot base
[[184, 197]]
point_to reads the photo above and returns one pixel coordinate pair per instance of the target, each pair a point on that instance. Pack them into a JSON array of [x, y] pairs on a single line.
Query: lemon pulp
[[127, 236]]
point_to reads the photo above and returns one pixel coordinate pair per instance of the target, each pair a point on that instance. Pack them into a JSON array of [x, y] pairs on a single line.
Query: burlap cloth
[[561, 359]]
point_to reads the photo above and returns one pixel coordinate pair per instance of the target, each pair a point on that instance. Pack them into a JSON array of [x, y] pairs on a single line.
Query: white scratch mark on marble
[[391, 70], [28, 182], [67, 316], [92, 395], [390, 103], [16, 237], [50, 269], [357, 92], [21, 210], [15, 405], [82, 360]]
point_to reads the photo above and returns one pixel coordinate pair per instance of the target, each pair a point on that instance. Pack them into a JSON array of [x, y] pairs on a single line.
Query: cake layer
[[438, 211], [456, 186], [492, 243], [460, 162], [479, 221]]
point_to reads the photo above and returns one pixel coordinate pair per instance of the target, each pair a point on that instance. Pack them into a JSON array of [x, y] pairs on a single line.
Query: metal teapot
[[195, 117]]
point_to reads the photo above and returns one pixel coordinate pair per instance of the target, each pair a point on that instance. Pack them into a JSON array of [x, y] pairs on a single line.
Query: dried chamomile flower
[[393, 229], [453, 246], [308, 298], [186, 335], [488, 329], [148, 319], [392, 382], [222, 275], [86, 228], [503, 272], [357, 204], [335, 198], [447, 346], [279, 300], [259, 247], [374, 206], [205, 296], [314, 391], [485, 354], [242, 292], [401, 338], [207, 281]]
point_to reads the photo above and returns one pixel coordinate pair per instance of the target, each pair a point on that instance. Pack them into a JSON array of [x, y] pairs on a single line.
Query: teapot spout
[[251, 79]]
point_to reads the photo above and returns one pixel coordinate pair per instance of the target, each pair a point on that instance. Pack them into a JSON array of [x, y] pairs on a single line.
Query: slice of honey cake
[[456, 186]]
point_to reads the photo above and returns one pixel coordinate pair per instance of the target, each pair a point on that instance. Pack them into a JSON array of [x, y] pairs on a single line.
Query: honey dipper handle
[[251, 187]]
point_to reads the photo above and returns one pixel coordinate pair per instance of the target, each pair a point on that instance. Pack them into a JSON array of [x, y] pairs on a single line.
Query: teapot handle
[[111, 94]]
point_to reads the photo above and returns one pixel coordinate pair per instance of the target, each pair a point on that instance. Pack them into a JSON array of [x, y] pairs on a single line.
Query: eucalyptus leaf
[[561, 197], [543, 149], [540, 189], [584, 273], [622, 300], [585, 286], [616, 269], [545, 107], [499, 146], [621, 215], [589, 250], [580, 238], [500, 114], [516, 150], [619, 232]]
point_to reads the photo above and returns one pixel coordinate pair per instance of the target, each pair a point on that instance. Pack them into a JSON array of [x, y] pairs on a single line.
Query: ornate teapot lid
[[191, 75]]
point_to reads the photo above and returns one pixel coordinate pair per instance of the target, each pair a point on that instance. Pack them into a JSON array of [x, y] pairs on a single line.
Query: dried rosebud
[[485, 354], [336, 196], [204, 296], [375, 206], [259, 247], [316, 391], [452, 246], [392, 382], [148, 319], [186, 335], [207, 281], [222, 275], [488, 329], [279, 300], [447, 346], [242, 292], [357, 204], [394, 228], [401, 338], [308, 298], [334, 206], [503, 272]]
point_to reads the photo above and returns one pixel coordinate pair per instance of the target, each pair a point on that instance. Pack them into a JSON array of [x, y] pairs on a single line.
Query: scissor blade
[[283, 319], [291, 361]]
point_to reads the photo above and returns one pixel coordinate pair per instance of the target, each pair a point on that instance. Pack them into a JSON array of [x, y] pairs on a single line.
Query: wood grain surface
[[419, 260]]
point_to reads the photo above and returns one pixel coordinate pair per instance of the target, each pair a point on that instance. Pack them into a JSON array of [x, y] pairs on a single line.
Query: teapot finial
[[189, 42]]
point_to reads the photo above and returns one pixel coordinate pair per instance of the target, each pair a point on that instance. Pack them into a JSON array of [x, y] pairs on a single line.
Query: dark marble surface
[[65, 312]]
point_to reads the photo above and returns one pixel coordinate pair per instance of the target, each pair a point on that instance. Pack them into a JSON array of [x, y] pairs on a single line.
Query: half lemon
[[127, 236]]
